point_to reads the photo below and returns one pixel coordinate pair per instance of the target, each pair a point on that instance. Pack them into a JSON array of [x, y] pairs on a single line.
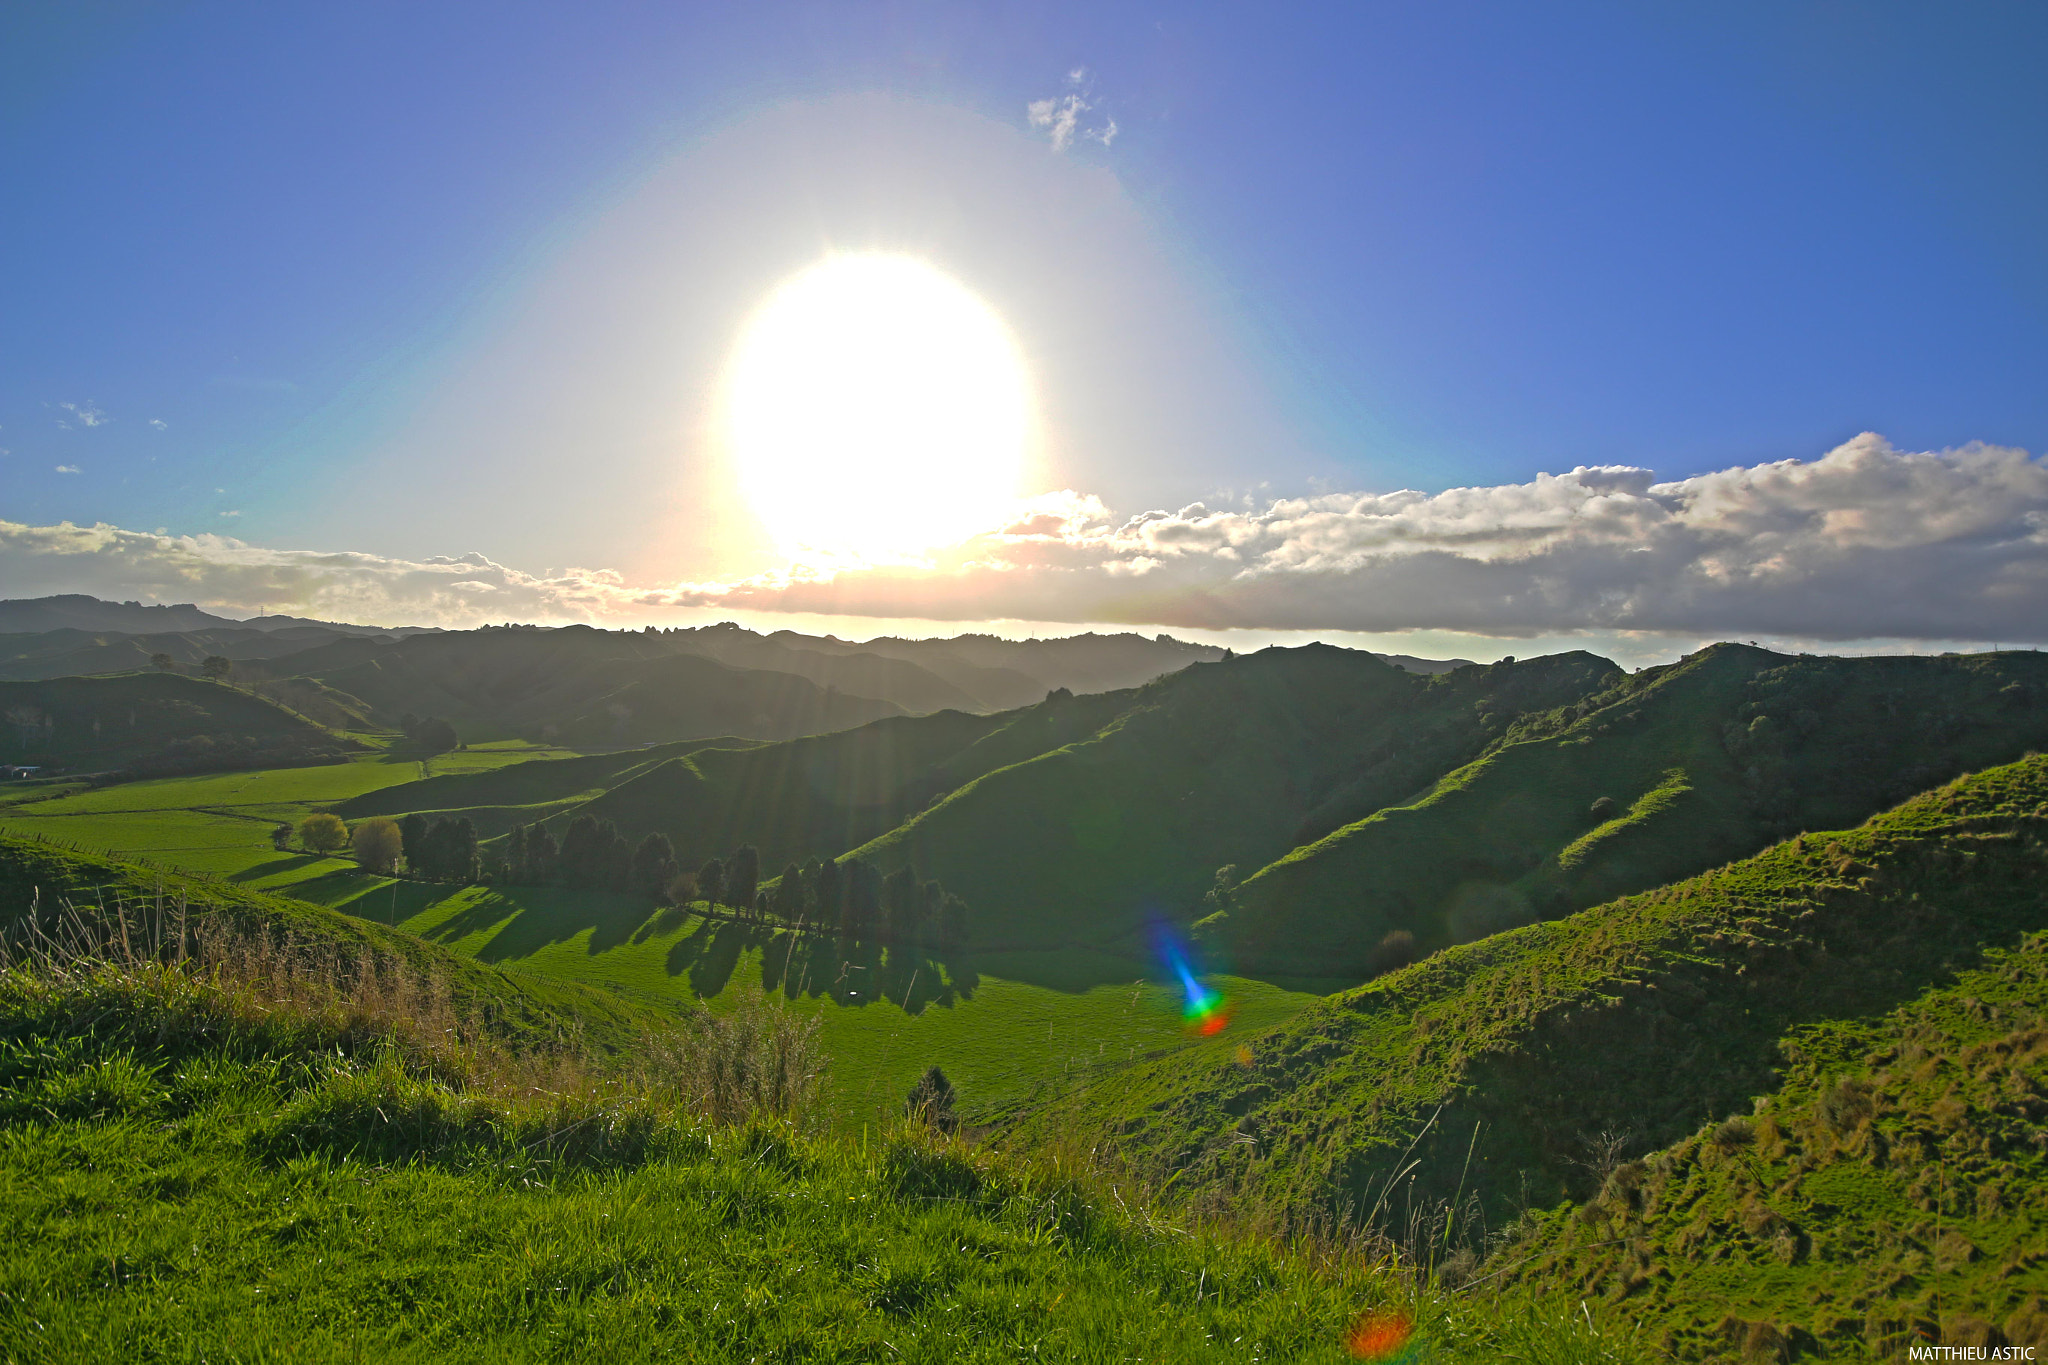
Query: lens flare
[[1204, 1012], [1378, 1336]]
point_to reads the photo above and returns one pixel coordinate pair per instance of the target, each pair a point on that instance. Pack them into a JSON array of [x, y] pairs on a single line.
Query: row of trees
[[435, 851], [215, 666], [853, 898], [430, 734]]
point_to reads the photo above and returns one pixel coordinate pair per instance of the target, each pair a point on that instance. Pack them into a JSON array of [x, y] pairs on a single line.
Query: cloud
[[160, 424], [85, 414], [1062, 117], [1865, 542], [67, 469], [235, 577]]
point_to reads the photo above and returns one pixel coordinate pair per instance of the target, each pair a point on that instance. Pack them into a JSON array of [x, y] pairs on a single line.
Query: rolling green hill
[[39, 874], [1222, 763], [821, 796], [152, 722], [1665, 773], [1515, 1072]]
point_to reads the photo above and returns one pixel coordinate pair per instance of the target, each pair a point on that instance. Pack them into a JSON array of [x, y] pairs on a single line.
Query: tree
[[931, 1101], [654, 866], [900, 905], [323, 833], [412, 831], [860, 898], [514, 854], [788, 902], [281, 838], [163, 663], [582, 857], [541, 856], [217, 667], [711, 882], [434, 735], [952, 922], [743, 876], [377, 844], [825, 886]]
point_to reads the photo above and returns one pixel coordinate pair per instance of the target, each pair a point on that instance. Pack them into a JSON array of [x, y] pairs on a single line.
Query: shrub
[[323, 833]]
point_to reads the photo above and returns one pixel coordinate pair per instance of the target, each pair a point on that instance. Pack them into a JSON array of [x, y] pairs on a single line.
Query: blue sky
[[1391, 246]]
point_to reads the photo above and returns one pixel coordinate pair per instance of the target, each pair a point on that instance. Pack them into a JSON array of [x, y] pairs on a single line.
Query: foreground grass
[[196, 1164]]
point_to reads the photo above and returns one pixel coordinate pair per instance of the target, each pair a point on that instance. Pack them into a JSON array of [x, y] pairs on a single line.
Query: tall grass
[[177, 982]]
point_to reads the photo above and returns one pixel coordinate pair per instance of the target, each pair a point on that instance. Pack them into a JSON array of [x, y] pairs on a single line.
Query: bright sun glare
[[876, 408]]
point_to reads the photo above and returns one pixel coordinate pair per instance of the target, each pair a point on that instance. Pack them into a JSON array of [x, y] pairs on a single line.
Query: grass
[[1892, 1190], [1503, 1076], [204, 1156], [1709, 759], [1004, 1026], [1012, 1026]]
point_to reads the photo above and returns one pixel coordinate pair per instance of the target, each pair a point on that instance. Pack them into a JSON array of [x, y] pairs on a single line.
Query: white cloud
[[235, 513], [1064, 117], [160, 424], [67, 469], [1865, 542], [86, 414], [235, 577]]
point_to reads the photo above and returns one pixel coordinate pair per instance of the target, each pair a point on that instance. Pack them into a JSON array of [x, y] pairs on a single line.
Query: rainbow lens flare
[[1204, 1013], [1378, 1336]]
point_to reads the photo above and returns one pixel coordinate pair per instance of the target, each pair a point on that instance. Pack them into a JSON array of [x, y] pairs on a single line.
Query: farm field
[[1001, 1025]]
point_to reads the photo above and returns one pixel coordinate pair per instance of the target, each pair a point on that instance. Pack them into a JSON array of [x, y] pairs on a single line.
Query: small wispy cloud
[[160, 424], [67, 469], [235, 513], [1065, 117], [86, 414]]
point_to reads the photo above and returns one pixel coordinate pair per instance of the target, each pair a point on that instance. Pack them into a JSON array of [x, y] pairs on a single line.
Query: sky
[[1465, 329]]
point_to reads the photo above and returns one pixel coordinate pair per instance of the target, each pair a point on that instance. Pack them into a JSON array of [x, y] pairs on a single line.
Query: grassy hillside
[[151, 720], [1514, 1073], [225, 1149], [38, 875], [821, 796], [1667, 772], [1891, 1191], [1222, 763], [518, 793]]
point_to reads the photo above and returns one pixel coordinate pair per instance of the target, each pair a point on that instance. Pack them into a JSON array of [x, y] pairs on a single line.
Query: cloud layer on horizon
[[1867, 541]]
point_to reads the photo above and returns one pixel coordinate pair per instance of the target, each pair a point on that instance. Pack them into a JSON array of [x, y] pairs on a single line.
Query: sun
[[876, 408]]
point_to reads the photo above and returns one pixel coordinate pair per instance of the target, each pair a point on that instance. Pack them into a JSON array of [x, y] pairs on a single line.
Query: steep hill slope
[[1218, 764], [1891, 1191], [1667, 772], [822, 796], [151, 722], [1500, 1071]]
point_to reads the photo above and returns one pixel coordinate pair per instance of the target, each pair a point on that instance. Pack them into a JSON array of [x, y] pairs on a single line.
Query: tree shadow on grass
[[855, 974], [530, 918], [714, 966], [277, 867]]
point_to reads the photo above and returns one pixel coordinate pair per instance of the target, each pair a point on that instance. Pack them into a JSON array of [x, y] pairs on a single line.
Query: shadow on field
[[540, 916], [277, 867]]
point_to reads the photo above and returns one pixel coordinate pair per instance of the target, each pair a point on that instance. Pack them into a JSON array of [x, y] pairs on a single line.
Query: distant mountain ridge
[[77, 611]]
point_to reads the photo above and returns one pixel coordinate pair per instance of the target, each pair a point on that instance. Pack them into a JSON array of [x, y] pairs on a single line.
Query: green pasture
[[1001, 1024]]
